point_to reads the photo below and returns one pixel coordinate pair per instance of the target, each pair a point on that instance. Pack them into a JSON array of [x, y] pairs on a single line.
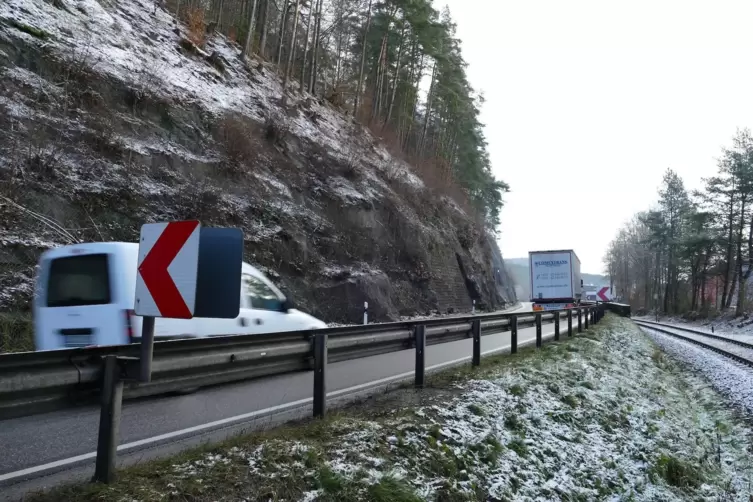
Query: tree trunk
[[250, 31], [291, 50], [726, 287], [396, 80], [427, 115], [306, 45], [315, 50], [263, 31], [739, 261], [363, 61], [281, 31]]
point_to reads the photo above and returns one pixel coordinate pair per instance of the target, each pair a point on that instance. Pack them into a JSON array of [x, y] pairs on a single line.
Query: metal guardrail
[[34, 382], [620, 309]]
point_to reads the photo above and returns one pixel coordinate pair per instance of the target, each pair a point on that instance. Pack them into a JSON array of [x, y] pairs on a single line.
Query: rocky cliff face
[[110, 118]]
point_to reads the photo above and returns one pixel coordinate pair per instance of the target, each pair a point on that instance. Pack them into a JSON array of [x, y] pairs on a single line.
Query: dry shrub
[[196, 26], [277, 129], [233, 34], [435, 172], [236, 138]]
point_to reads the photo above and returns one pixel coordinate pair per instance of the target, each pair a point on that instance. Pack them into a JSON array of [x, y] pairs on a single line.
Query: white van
[[85, 295]]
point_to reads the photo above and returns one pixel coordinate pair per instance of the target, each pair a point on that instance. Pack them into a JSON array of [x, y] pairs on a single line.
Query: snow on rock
[[595, 418], [133, 42]]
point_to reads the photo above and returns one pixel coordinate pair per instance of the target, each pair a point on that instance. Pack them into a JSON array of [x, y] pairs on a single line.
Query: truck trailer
[[555, 279]]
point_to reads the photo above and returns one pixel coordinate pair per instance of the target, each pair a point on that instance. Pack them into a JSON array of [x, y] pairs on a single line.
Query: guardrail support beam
[[514, 334], [538, 331], [109, 421], [580, 320], [588, 314], [420, 334], [476, 332], [320, 375], [569, 322], [557, 326]]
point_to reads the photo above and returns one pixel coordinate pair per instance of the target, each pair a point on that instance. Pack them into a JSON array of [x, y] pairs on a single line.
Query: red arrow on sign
[[153, 269], [601, 294]]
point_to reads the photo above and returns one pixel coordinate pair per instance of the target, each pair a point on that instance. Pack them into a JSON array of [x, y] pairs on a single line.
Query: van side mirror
[[286, 305]]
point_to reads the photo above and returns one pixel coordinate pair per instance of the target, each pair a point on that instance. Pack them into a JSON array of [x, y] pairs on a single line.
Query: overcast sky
[[589, 102]]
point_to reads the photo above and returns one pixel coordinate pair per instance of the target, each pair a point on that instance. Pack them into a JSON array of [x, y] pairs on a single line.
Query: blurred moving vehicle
[[84, 296]]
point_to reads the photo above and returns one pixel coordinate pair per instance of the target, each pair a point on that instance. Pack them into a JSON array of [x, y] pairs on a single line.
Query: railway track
[[736, 350]]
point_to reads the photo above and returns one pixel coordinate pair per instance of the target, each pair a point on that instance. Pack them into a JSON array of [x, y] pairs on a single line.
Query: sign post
[[184, 270], [168, 267]]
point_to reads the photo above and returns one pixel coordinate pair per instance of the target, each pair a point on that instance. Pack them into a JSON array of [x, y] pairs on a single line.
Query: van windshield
[[79, 280]]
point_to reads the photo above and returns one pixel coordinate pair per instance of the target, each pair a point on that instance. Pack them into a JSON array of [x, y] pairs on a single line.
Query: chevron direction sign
[[167, 269]]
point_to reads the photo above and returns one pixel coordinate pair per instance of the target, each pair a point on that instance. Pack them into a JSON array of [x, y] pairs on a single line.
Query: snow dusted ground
[[732, 379], [599, 417]]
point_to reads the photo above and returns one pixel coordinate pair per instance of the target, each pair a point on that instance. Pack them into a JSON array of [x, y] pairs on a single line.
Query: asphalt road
[[32, 447]]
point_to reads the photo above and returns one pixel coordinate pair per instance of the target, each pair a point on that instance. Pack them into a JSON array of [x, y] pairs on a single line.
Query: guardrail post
[[538, 331], [476, 332], [557, 326], [109, 421], [420, 335], [514, 334], [320, 375], [147, 348], [580, 320], [588, 314], [569, 322]]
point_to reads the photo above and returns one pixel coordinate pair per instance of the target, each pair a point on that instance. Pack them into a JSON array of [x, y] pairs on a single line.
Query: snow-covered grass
[[605, 416]]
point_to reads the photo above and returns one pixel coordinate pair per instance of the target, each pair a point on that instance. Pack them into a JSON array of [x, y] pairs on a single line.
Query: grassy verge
[[601, 416], [16, 332]]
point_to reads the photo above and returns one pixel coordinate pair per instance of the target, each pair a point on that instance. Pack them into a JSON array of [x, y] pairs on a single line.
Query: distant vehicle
[[84, 296], [555, 279]]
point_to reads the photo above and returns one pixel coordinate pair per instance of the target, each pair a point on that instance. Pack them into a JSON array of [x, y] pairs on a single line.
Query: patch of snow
[[338, 272], [279, 186]]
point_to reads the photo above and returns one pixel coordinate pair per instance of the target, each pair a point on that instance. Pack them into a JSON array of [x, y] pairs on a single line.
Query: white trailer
[[555, 279]]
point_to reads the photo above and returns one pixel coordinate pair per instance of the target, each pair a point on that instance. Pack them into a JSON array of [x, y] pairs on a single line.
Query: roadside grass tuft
[[16, 332], [477, 410], [677, 472], [31, 30], [392, 489]]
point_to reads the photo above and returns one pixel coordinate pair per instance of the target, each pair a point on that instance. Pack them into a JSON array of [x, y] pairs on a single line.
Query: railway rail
[[736, 350]]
